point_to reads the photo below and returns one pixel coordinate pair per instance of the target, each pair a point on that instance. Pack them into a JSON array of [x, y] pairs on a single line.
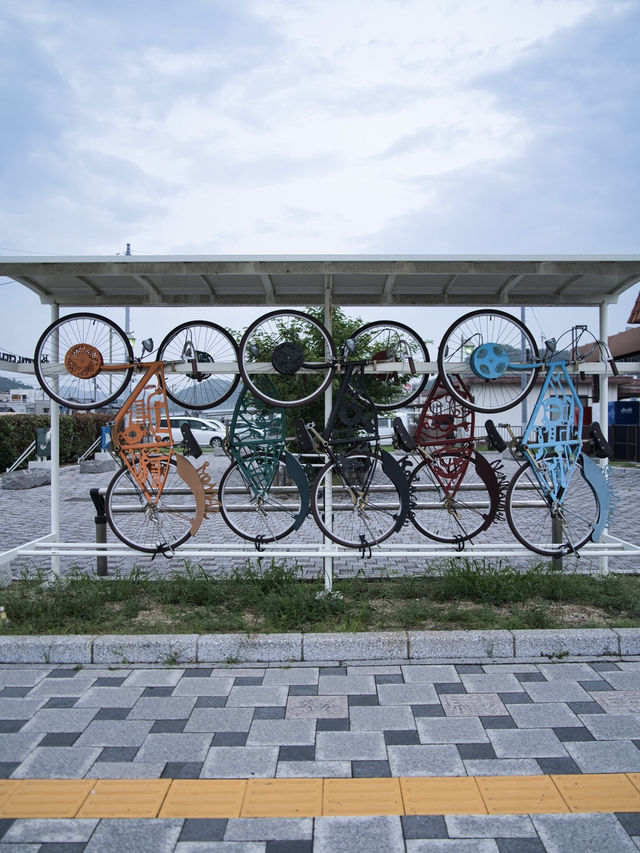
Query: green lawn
[[473, 594]]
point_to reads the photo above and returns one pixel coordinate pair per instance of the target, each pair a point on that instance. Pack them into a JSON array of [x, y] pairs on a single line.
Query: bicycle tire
[[145, 528], [380, 339], [470, 510], [249, 517], [532, 522], [70, 355], [280, 343], [495, 354], [211, 344], [352, 527]]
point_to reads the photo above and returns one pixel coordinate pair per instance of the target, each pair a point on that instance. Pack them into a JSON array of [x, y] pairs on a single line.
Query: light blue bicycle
[[559, 498]]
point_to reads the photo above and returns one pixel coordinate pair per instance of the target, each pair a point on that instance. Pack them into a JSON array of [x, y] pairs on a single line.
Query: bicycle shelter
[[505, 282]]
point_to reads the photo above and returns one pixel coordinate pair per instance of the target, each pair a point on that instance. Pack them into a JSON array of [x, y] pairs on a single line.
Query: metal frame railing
[[24, 455]]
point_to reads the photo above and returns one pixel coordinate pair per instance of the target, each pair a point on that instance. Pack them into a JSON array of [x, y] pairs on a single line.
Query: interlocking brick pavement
[[329, 720]]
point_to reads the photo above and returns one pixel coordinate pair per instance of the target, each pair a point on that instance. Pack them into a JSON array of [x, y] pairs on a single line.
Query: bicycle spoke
[[454, 516], [534, 523], [495, 354], [203, 345], [145, 527], [253, 517], [348, 523]]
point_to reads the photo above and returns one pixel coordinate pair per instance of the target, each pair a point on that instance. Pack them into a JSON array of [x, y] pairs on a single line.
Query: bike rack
[[50, 547]]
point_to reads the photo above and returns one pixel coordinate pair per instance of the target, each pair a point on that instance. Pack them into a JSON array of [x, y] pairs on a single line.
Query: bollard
[[101, 529]]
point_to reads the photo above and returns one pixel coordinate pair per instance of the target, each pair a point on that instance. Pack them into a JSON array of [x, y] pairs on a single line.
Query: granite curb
[[413, 646]]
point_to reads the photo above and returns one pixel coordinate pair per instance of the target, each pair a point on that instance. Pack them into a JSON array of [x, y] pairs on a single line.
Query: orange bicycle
[[158, 499]]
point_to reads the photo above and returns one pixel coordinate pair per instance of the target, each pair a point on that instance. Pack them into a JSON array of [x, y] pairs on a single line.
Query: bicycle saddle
[[305, 442], [494, 439], [190, 442], [598, 444]]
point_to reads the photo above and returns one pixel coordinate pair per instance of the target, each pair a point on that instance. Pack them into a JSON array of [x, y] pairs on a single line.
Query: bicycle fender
[[592, 473], [191, 477], [296, 472], [393, 470], [488, 474]]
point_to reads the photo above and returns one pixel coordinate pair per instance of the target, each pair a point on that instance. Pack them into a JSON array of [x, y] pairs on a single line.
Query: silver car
[[206, 432]]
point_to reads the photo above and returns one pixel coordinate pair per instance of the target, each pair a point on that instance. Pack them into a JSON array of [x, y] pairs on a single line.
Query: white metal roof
[[304, 280]]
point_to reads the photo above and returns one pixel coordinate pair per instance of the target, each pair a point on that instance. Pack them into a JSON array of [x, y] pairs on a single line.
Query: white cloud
[[348, 112]]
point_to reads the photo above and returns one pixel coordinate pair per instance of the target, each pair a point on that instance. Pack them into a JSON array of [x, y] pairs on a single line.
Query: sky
[[317, 127]]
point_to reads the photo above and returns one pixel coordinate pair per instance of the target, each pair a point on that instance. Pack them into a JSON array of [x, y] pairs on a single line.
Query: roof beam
[[624, 285], [508, 286], [563, 288], [42, 292], [269, 290], [148, 286], [387, 291], [88, 283], [448, 286], [205, 280]]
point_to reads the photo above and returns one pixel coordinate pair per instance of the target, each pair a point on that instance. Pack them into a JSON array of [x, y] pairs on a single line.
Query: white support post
[[603, 381], [54, 420], [328, 403]]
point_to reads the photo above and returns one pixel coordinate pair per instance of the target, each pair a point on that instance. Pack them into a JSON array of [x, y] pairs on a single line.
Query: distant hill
[[11, 384]]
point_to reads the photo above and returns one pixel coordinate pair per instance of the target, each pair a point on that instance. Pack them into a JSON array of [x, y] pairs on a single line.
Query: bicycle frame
[[139, 440], [445, 425], [353, 410], [554, 432], [552, 442], [257, 443]]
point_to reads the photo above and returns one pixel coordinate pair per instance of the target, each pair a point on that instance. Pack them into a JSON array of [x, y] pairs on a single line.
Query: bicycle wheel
[[255, 513], [139, 524], [495, 354], [354, 502], [549, 531], [296, 352], [457, 507], [72, 358], [208, 343], [391, 341]]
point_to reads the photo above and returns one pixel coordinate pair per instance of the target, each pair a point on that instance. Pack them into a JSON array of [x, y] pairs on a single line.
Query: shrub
[[77, 432]]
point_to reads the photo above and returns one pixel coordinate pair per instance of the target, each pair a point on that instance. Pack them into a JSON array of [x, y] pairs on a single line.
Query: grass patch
[[471, 594]]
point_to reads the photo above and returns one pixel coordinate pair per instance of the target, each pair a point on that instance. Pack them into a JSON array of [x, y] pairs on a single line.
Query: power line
[[22, 251]]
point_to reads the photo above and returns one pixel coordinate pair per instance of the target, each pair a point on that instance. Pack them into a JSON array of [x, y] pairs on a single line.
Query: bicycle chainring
[[83, 361], [489, 361]]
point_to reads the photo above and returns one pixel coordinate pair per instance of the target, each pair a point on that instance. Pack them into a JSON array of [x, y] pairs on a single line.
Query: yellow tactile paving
[[282, 798], [362, 797], [520, 795], [125, 798], [6, 787], [252, 798], [42, 798], [449, 795], [204, 798], [634, 778], [599, 792]]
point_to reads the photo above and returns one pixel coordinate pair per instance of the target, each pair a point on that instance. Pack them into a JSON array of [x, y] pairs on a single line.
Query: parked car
[[206, 432]]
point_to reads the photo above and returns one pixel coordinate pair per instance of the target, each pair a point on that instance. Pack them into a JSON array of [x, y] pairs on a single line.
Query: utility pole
[[127, 317]]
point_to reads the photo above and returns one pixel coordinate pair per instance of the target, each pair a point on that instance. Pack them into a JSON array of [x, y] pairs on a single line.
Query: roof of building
[[634, 317], [307, 280]]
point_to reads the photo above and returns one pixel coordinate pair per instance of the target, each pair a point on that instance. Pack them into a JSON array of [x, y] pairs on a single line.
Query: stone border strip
[[425, 646]]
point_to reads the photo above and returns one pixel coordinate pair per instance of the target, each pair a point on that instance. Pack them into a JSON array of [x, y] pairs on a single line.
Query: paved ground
[[542, 756], [385, 721], [25, 516]]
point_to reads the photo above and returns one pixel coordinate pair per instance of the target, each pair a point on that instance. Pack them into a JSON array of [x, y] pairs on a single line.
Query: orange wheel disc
[[83, 361]]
